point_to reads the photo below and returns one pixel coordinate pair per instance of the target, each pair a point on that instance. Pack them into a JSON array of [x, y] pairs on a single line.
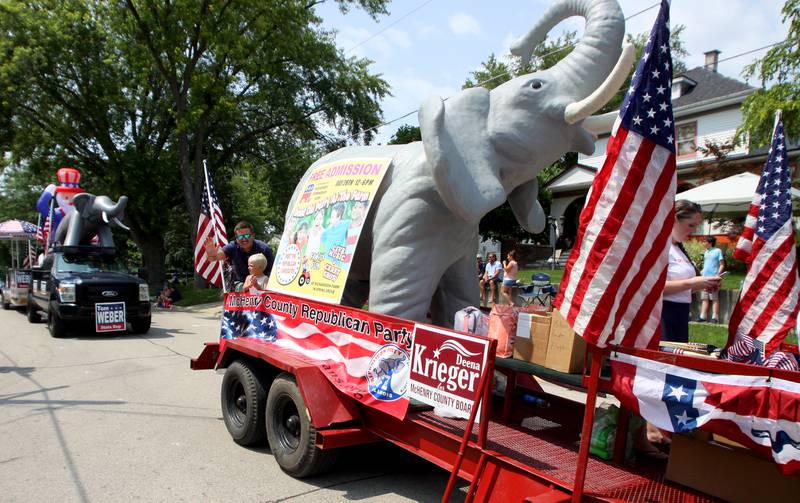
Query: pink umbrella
[[17, 229]]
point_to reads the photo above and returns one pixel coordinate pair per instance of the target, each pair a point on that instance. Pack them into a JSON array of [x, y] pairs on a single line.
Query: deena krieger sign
[[446, 369]]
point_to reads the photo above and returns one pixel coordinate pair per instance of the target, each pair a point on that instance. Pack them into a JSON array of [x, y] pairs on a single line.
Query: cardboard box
[[728, 472], [533, 348], [565, 350]]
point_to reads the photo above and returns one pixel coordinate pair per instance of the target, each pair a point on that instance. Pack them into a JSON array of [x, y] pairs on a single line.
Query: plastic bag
[[604, 432], [503, 327], [472, 320]]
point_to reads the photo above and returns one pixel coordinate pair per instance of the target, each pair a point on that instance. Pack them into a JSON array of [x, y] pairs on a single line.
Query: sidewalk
[[214, 308]]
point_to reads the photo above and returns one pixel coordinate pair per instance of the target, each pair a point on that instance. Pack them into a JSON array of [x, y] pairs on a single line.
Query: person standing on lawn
[[713, 265]]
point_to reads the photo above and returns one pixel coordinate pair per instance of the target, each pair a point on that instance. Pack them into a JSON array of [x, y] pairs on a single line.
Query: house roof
[[577, 176], [710, 85]]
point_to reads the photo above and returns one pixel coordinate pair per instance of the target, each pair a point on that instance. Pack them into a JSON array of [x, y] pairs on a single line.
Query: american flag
[[756, 411], [43, 231], [209, 224], [768, 302], [614, 278]]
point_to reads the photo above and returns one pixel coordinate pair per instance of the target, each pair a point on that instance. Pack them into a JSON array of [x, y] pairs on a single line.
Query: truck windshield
[[84, 263]]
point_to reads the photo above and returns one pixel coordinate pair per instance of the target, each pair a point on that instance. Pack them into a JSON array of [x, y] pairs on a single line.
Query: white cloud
[[427, 31], [398, 37], [464, 24], [361, 42]]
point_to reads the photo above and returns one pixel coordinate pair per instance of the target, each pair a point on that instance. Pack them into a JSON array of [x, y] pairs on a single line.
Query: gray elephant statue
[[92, 217], [417, 248]]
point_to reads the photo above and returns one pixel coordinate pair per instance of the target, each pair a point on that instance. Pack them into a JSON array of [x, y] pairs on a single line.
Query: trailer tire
[[32, 313], [243, 402], [291, 435]]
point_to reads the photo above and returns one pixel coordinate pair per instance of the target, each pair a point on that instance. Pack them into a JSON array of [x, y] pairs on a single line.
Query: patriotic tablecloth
[[756, 411], [365, 355]]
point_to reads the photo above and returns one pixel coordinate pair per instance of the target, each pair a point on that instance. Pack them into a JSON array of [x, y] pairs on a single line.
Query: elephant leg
[[74, 230], [457, 289], [105, 238], [403, 279]]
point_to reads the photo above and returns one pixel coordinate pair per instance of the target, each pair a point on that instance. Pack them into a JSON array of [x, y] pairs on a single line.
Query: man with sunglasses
[[239, 250]]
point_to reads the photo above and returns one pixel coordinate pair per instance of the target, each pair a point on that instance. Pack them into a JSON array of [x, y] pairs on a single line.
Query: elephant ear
[[459, 153], [525, 205], [82, 203]]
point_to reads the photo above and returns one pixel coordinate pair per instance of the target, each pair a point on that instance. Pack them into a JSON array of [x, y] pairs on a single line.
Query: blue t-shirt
[[238, 257], [335, 236], [711, 260]]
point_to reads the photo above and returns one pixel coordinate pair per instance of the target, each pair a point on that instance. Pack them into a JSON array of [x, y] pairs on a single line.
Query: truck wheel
[[243, 401], [290, 433], [140, 326], [33, 314], [56, 325], [6, 304]]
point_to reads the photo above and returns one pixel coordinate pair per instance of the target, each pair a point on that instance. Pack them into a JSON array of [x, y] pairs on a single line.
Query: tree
[[405, 134], [139, 93], [781, 67]]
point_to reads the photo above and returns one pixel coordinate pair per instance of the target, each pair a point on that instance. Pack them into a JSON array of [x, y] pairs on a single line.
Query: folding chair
[[540, 291]]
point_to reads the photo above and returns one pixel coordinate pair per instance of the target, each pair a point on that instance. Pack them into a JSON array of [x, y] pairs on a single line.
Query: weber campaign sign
[[446, 369], [109, 316], [365, 355], [323, 229]]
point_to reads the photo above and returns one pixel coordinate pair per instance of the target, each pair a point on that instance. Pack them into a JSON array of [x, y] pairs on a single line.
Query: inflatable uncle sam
[[68, 185]]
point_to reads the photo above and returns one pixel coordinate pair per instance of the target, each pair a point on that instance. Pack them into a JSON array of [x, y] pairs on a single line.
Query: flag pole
[[49, 227], [214, 224]]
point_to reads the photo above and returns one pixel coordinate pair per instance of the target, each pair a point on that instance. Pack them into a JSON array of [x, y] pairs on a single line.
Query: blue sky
[[433, 49]]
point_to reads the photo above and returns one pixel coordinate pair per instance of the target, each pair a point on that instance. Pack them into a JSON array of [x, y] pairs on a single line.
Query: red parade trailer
[[508, 449]]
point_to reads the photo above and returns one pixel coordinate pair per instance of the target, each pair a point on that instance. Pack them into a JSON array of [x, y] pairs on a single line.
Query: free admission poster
[[324, 227]]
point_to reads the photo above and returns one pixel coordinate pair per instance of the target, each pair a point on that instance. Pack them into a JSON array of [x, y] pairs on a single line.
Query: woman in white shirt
[[682, 278]]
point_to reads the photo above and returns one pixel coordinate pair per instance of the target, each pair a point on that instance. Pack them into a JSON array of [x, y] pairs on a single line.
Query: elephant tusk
[[105, 217], [116, 221], [598, 124], [579, 110]]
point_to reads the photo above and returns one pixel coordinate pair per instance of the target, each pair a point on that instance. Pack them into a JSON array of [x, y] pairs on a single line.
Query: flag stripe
[[209, 224]]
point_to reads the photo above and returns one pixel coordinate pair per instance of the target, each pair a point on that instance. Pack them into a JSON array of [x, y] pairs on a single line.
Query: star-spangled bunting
[[256, 324], [768, 303], [614, 278]]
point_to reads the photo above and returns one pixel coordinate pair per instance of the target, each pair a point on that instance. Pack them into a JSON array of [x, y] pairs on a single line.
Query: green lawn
[[193, 297]]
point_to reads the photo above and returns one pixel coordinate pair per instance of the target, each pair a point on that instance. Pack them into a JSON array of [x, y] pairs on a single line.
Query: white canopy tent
[[729, 195]]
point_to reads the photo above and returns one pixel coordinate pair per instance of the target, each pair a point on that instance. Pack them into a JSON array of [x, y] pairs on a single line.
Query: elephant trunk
[[585, 69]]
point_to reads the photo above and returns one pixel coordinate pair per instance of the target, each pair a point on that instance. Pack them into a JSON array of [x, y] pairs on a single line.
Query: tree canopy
[[137, 94], [779, 73]]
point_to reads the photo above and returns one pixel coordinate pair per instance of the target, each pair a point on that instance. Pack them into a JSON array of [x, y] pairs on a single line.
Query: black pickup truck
[[85, 286]]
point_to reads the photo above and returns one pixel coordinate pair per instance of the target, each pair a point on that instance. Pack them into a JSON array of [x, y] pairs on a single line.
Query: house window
[[687, 138]]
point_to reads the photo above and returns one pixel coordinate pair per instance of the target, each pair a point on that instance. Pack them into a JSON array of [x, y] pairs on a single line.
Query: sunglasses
[[243, 237]]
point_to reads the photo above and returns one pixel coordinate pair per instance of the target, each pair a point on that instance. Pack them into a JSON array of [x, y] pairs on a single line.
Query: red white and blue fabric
[[317, 334], [755, 411], [614, 278], [211, 224], [768, 303]]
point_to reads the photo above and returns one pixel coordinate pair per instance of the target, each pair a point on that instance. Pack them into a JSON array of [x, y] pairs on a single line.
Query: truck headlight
[[144, 293], [66, 292]]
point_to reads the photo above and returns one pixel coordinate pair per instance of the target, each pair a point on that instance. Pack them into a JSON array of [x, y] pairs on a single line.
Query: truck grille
[[127, 293]]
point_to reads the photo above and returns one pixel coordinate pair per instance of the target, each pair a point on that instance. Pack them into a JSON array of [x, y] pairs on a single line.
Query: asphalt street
[[122, 418]]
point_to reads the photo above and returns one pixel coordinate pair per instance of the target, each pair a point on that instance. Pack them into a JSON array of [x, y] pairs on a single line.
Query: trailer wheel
[[291, 435], [32, 313], [56, 325], [243, 402]]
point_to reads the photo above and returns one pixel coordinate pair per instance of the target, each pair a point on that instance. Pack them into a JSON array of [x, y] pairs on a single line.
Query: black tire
[[6, 304], [244, 400], [32, 312], [56, 325], [301, 280], [140, 326], [291, 435]]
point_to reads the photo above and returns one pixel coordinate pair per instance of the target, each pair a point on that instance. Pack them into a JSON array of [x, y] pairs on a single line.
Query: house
[[707, 111]]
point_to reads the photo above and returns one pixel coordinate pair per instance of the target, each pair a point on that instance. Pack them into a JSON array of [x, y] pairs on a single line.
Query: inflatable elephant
[[417, 249], [92, 217]]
